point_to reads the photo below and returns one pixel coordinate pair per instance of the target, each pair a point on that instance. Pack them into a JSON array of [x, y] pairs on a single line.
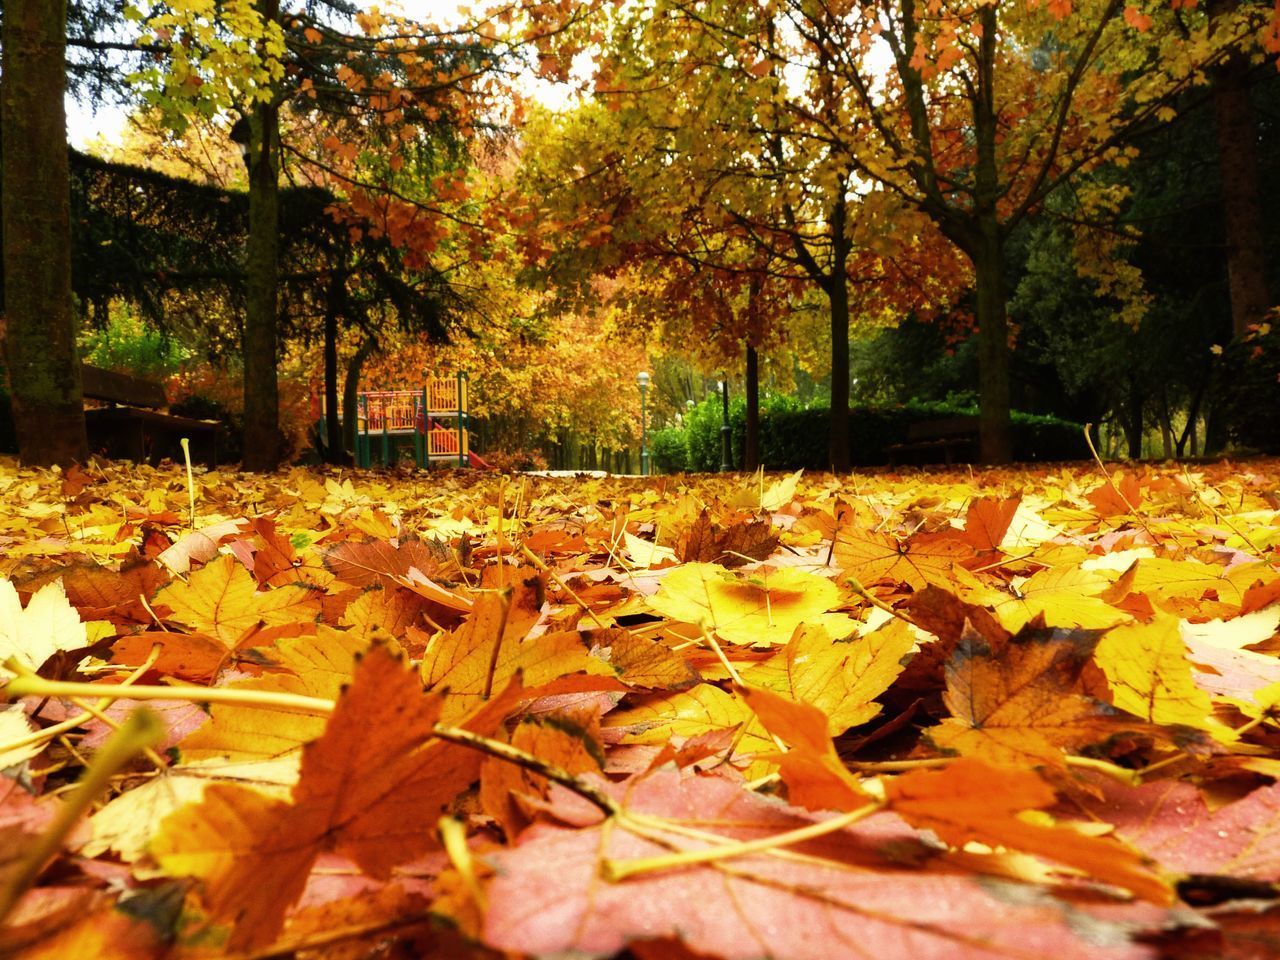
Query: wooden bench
[[948, 435], [131, 425]]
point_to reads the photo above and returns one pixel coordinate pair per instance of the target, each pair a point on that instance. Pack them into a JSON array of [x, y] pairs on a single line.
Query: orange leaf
[[811, 769], [970, 800], [222, 600], [875, 558], [371, 789], [1019, 705]]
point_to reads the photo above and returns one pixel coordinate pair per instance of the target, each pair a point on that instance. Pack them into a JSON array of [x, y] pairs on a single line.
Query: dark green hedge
[[791, 437], [1249, 388], [8, 435]]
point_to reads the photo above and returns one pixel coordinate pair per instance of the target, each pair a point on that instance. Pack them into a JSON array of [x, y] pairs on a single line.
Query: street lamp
[[726, 445], [642, 380]]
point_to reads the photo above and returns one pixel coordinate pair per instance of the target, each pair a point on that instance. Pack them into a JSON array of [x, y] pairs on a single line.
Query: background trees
[[736, 182]]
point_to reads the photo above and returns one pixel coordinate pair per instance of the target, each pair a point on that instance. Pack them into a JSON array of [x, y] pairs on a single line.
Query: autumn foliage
[[902, 715]]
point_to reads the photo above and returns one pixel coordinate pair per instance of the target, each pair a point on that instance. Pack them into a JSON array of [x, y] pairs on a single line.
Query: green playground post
[[362, 432], [421, 422], [462, 403], [386, 434]]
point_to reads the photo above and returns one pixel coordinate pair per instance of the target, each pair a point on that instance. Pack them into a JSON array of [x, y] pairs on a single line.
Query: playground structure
[[432, 421]]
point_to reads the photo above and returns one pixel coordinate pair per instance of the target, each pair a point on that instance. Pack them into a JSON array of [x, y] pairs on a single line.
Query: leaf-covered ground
[[1003, 714]]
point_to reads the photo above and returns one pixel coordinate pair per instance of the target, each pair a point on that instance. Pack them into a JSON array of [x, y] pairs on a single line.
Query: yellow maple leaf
[[315, 666], [222, 600], [703, 709], [48, 624], [1064, 596], [1018, 705], [840, 679], [761, 608], [1149, 674]]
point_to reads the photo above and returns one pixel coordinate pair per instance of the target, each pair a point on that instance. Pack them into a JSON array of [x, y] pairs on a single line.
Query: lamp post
[[726, 444], [642, 381]]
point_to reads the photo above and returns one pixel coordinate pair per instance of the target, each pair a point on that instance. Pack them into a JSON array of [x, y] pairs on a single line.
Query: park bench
[[949, 436], [130, 424]]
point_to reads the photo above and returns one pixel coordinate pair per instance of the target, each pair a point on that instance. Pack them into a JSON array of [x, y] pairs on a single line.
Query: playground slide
[[477, 462]]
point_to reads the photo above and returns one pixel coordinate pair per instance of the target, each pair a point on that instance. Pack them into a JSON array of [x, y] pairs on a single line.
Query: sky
[[87, 121]]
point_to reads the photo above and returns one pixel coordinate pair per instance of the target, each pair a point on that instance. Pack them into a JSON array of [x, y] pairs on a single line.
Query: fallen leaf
[[222, 600], [547, 898], [761, 608], [49, 624]]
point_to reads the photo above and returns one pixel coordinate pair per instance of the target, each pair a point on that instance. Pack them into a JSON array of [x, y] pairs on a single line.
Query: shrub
[[702, 434], [1249, 388], [127, 344], [8, 433], [793, 436], [668, 450]]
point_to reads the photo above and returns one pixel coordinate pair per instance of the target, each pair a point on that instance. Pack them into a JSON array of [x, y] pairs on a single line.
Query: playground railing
[[434, 420]]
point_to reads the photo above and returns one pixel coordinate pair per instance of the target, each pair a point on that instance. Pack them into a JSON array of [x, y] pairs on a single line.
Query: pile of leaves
[[898, 715]]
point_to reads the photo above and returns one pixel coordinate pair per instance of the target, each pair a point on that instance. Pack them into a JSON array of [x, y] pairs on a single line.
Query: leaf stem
[[617, 870], [49, 733], [875, 601], [139, 732], [538, 562], [505, 751], [191, 483], [504, 597], [293, 702]]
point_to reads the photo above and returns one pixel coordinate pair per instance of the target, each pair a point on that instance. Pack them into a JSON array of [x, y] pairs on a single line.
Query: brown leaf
[[379, 561], [1019, 705], [741, 541]]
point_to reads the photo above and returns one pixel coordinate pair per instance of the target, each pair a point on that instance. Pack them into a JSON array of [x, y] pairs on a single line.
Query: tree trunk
[[751, 449], [838, 437], [1133, 419], [1241, 195], [40, 345], [1166, 423], [263, 442], [351, 393], [334, 450], [995, 438]]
